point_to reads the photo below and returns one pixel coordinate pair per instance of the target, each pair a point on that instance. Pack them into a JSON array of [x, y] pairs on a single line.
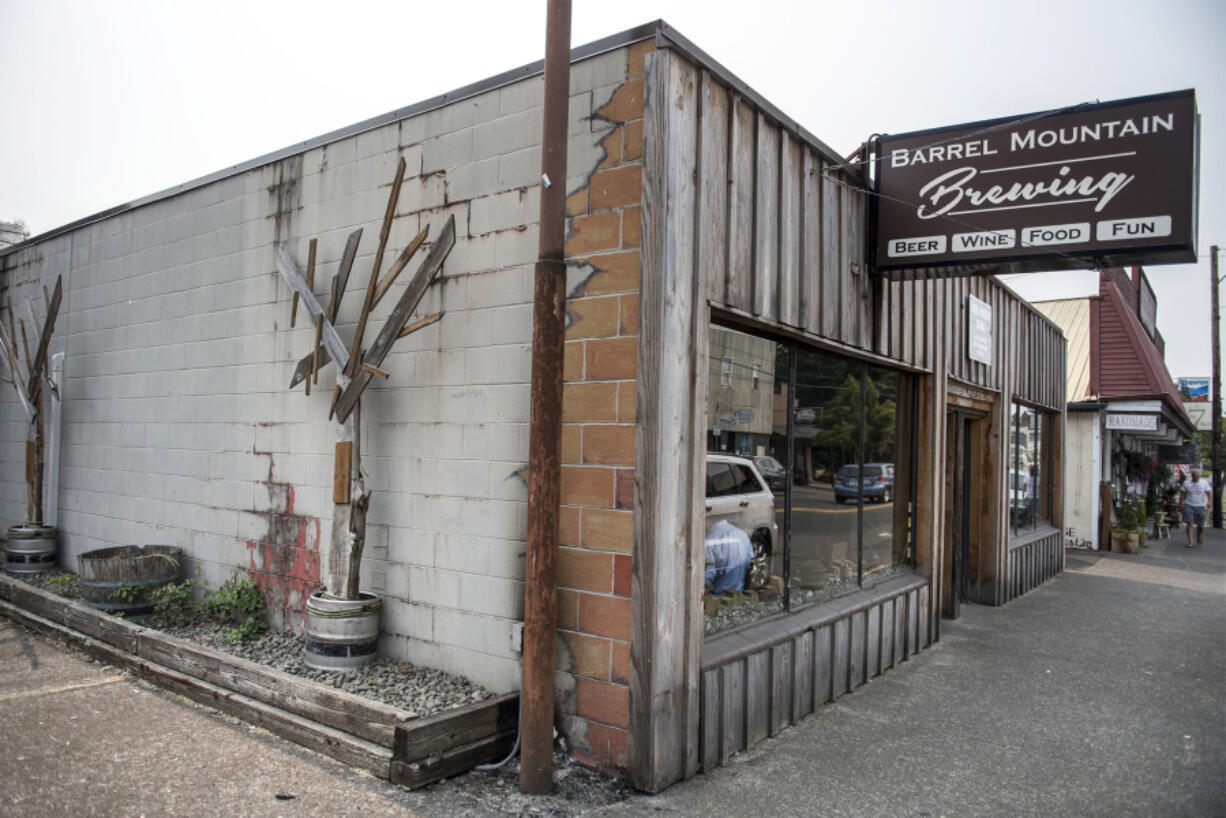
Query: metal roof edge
[[669, 37], [592, 49]]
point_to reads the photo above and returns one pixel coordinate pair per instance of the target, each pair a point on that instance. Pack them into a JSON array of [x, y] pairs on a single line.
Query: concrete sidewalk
[[1102, 692], [81, 738]]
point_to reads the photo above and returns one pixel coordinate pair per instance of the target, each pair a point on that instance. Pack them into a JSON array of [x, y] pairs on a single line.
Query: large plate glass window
[[824, 448]]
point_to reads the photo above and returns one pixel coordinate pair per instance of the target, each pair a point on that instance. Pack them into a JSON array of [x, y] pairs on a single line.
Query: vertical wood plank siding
[[779, 236], [666, 629], [759, 693], [747, 217], [1032, 564]]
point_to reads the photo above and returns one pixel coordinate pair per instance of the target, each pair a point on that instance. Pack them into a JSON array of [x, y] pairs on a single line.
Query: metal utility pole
[[545, 421], [1217, 392]]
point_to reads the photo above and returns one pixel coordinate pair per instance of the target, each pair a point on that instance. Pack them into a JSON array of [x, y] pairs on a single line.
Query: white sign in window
[[979, 330]]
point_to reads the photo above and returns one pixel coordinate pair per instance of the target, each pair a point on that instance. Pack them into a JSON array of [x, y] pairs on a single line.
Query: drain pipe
[[545, 422], [51, 497]]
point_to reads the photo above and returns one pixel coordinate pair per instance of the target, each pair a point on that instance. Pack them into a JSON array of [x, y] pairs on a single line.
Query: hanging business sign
[[1194, 390], [1201, 416], [1108, 184], [979, 330], [1132, 423]]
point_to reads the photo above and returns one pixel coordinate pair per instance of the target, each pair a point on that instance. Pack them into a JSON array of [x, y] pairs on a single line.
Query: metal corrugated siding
[[1072, 315]]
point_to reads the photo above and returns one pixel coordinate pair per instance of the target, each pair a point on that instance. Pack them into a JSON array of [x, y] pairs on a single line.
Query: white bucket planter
[[341, 634], [30, 549]]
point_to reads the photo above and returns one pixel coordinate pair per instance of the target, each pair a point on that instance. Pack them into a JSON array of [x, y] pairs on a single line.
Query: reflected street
[[824, 535]]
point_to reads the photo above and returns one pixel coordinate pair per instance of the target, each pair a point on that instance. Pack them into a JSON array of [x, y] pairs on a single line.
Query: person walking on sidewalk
[[1195, 496]]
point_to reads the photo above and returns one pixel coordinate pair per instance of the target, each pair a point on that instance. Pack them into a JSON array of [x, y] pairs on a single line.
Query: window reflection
[[882, 545], [832, 430], [825, 500], [1029, 488]]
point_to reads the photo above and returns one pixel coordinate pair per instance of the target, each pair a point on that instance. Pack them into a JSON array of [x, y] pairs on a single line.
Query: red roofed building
[[1123, 403]]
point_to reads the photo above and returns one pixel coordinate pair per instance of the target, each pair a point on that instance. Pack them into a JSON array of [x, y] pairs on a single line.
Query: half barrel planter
[[341, 634], [123, 579]]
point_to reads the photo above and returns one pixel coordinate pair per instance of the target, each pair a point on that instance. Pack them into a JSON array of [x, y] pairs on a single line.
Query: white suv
[[737, 493]]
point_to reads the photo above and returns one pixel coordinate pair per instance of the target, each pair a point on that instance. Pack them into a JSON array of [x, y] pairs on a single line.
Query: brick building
[[693, 206]]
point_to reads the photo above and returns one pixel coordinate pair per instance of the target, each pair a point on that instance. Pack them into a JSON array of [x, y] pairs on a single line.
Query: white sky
[[106, 102]]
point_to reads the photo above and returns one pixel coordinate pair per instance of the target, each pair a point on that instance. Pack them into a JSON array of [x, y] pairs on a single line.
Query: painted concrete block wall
[[178, 427]]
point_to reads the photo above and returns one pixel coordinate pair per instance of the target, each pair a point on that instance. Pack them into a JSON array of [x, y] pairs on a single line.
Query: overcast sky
[[105, 102]]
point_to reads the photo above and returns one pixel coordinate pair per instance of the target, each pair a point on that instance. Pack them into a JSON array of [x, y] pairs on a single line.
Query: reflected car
[[877, 484], [772, 471], [737, 493]]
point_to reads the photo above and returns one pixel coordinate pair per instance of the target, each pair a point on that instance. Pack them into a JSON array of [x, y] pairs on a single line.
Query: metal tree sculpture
[[30, 390], [355, 367]]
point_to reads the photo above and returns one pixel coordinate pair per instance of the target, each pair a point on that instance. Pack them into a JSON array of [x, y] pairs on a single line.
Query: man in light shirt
[[1195, 497]]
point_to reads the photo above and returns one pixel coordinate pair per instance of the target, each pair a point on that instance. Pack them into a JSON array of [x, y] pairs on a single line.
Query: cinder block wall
[[179, 428]]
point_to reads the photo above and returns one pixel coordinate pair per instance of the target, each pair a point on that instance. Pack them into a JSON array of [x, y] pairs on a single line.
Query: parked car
[[877, 483], [772, 471], [737, 493]]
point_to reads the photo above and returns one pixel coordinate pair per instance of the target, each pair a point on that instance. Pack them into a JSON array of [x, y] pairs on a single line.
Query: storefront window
[[882, 547], [1030, 484], [829, 432]]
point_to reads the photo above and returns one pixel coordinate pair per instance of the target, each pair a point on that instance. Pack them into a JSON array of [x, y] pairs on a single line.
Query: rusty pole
[[545, 422]]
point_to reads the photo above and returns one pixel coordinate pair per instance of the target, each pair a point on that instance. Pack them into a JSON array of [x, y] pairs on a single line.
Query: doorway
[[964, 429]]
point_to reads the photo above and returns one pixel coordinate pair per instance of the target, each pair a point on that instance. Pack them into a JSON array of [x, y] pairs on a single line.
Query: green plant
[[174, 602], [1142, 514], [128, 594], [1128, 519], [239, 601], [61, 579]]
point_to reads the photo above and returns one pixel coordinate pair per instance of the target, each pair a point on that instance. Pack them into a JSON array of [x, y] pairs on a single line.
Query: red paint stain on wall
[[285, 561]]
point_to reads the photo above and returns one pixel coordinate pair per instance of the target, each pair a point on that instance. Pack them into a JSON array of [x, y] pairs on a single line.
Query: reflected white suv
[[737, 493]]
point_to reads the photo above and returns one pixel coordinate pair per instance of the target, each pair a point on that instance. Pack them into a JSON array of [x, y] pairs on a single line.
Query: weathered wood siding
[[752, 689], [778, 224], [748, 219], [1033, 563]]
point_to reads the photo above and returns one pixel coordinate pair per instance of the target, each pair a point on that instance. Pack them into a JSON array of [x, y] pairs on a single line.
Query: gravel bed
[[748, 611], [418, 690]]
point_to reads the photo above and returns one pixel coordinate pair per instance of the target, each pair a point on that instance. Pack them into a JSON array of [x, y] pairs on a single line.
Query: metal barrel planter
[[30, 549], [122, 579], [341, 634]]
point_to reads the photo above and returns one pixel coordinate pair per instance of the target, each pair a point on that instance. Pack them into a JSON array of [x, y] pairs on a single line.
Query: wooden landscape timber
[[386, 741], [430, 749]]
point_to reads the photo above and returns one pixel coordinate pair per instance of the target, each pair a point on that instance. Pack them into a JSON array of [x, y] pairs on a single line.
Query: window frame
[[907, 384]]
